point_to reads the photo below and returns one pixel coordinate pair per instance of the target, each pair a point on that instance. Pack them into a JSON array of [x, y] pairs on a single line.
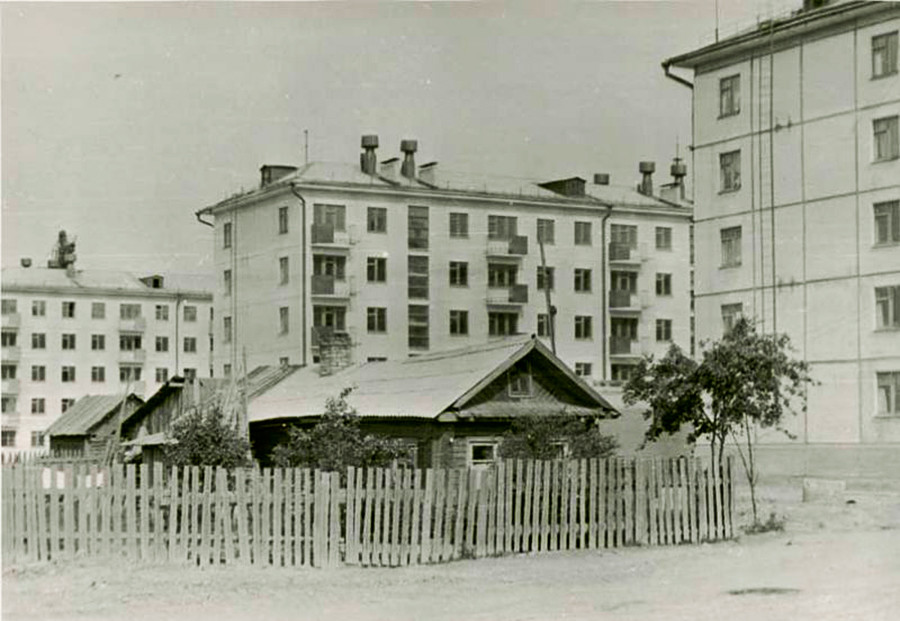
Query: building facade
[[403, 260], [69, 333], [797, 216]]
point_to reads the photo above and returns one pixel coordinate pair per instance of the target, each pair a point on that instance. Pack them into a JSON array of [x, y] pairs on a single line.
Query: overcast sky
[[120, 120]]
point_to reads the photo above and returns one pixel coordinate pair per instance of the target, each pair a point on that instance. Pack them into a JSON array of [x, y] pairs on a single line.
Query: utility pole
[[550, 310]]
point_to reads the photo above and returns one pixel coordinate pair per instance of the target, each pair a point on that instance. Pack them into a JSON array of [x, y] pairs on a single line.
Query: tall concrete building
[[68, 333], [395, 259], [797, 216]]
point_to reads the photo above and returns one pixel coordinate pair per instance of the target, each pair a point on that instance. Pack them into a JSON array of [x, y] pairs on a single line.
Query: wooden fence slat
[[131, 511], [9, 524], [143, 489], [591, 517], [68, 513], [396, 497], [351, 556], [368, 502], [691, 501], [277, 515], [426, 514], [527, 543], [482, 509], [573, 472], [437, 513], [406, 518], [729, 498], [170, 546], [24, 538], [490, 532], [459, 532], [628, 505], [582, 504], [652, 504], [685, 517], [508, 503], [229, 516], [518, 515], [415, 531], [702, 493], [306, 480], [334, 549], [447, 534], [471, 513], [546, 490], [499, 506]]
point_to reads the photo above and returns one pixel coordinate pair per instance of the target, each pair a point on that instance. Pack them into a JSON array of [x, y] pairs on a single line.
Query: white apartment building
[[404, 259], [797, 216], [68, 333]]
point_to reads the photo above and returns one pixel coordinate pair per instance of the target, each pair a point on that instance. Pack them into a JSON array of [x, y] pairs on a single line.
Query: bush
[[543, 437], [202, 438], [773, 524]]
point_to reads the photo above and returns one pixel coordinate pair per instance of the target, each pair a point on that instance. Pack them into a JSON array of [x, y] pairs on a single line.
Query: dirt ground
[[833, 561]]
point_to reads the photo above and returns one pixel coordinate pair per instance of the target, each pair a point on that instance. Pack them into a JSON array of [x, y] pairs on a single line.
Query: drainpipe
[[604, 344], [202, 221], [677, 78], [303, 279]]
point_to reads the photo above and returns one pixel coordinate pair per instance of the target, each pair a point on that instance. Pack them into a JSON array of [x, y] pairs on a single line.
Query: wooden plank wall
[[362, 517]]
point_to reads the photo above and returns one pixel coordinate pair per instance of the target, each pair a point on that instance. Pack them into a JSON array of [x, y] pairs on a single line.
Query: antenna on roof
[[305, 147]]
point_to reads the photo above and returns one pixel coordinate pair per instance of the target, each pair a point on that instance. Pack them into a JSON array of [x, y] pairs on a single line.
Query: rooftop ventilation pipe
[[367, 161], [679, 172], [647, 169], [26, 262], [408, 168]]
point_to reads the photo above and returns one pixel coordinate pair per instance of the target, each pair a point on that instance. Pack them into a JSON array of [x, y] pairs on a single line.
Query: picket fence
[[371, 517]]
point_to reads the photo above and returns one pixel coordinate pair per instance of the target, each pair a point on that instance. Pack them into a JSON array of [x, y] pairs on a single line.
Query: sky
[[118, 121]]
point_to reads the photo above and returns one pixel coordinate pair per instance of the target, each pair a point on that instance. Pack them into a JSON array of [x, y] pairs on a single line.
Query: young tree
[[202, 438], [540, 437], [743, 382]]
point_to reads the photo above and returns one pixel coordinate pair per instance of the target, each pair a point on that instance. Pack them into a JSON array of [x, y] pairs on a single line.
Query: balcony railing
[[138, 356], [620, 299], [10, 386], [11, 320], [11, 354], [513, 248], [619, 345], [621, 253], [132, 324], [514, 295], [326, 235], [328, 286]]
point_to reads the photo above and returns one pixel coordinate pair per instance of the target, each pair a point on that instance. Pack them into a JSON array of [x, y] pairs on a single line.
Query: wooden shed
[[90, 427]]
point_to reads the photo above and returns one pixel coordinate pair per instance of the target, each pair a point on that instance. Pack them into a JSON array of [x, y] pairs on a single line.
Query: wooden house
[[90, 426]]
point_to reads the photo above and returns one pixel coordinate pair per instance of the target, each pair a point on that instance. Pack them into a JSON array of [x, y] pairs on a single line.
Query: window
[[65, 404], [8, 404], [482, 453], [162, 343], [887, 222], [129, 373], [226, 329], [190, 345], [884, 55], [583, 369], [520, 381], [162, 375], [8, 338], [162, 312], [284, 320], [98, 310], [376, 220], [37, 439], [282, 220], [545, 231], [98, 342], [502, 324], [663, 329], [583, 234], [663, 284], [624, 328], [129, 342], [544, 278], [376, 320], [501, 276], [68, 341], [729, 96], [38, 373], [731, 246], [190, 374], [38, 308], [621, 372], [333, 317], [459, 274], [68, 374], [889, 393], [376, 359], [543, 324], [376, 269], [624, 235], [226, 370], [887, 138], [887, 307], [730, 171], [38, 340], [330, 265], [8, 307], [501, 227], [38, 405], [582, 280], [98, 374], [68, 310], [8, 437], [583, 327], [459, 323], [330, 215], [418, 276], [417, 228], [663, 238], [418, 327], [190, 313], [226, 281], [226, 235], [459, 225], [129, 311], [730, 315], [284, 273]]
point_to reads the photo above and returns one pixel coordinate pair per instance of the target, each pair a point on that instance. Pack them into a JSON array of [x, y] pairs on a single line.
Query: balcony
[[326, 236], [132, 324], [11, 354], [134, 356], [628, 301], [512, 296], [321, 335], [514, 248], [10, 419], [10, 386], [621, 345], [11, 320], [625, 255], [328, 287]]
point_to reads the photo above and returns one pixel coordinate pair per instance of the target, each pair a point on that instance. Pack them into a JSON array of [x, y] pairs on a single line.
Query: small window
[[888, 393], [190, 313], [520, 381], [284, 271], [886, 138], [98, 374], [38, 340], [663, 329], [545, 231], [376, 269], [37, 439], [226, 281], [623, 235], [8, 437], [226, 235], [330, 265], [887, 307], [544, 278], [583, 369], [459, 323], [284, 320], [482, 453], [334, 216], [282, 220], [129, 373], [663, 284], [162, 343], [501, 276], [162, 375], [65, 404], [731, 246], [9, 404], [376, 220], [582, 280], [190, 345], [503, 324], [584, 327], [376, 320], [730, 315], [583, 234], [459, 225], [68, 341], [501, 227], [884, 55], [543, 325], [729, 96], [887, 222], [38, 308], [98, 310], [68, 373], [38, 373], [663, 238], [162, 312], [730, 171], [38, 405], [190, 374], [68, 310], [226, 329]]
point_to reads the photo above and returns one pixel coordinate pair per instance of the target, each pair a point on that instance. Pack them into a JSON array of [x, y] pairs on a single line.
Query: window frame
[[459, 273], [38, 340], [226, 235], [376, 320], [376, 219], [887, 404], [502, 228], [545, 277], [583, 277], [459, 322], [376, 269], [283, 220], [731, 86], [731, 246], [729, 171], [583, 233], [663, 330], [887, 307], [887, 219], [666, 238], [459, 225], [889, 65], [663, 284], [891, 143], [545, 231], [584, 327]]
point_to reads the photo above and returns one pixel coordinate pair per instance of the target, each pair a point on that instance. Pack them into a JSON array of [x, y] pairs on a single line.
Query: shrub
[[202, 438], [773, 524], [544, 436]]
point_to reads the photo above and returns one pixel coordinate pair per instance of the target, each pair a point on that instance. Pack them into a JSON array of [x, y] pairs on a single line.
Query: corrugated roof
[[84, 414], [44, 277]]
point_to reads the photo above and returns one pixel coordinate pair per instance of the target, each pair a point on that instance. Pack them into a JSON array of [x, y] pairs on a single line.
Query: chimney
[[679, 172], [646, 169], [601, 178], [408, 168], [367, 161], [427, 173], [388, 169], [25, 261]]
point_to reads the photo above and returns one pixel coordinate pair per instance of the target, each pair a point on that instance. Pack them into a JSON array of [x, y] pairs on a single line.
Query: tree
[[202, 438], [542, 436], [743, 382], [337, 441]]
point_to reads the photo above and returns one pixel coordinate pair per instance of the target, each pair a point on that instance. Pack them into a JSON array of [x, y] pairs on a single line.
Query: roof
[[622, 195], [87, 412], [106, 280], [422, 387]]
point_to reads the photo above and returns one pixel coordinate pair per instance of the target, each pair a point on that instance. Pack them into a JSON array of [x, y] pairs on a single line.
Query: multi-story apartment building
[[69, 333], [400, 260], [797, 214]]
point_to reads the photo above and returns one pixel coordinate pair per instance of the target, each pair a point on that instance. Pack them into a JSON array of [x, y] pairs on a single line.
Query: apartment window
[[887, 138], [98, 342], [38, 308], [129, 311], [546, 231], [162, 343], [729, 95], [226, 281], [730, 171], [376, 220], [65, 404], [162, 312], [284, 320], [226, 329], [624, 235], [68, 341], [520, 384], [418, 326], [333, 317], [582, 280], [887, 307], [663, 284], [129, 373], [887, 222], [623, 281], [226, 370], [8, 437], [190, 374], [8, 404], [459, 274], [417, 228], [38, 405], [226, 235], [376, 269], [583, 369], [731, 246], [621, 372], [129, 342], [663, 329], [501, 276], [884, 54], [418, 276], [68, 310], [583, 327], [68, 374], [502, 227], [730, 314], [543, 324], [282, 220], [284, 271], [663, 238], [545, 278], [889, 393], [8, 307], [190, 313], [334, 216], [38, 340], [459, 224], [190, 345], [38, 373], [503, 324], [98, 374], [482, 453], [8, 338], [162, 375], [624, 327], [583, 234], [376, 320], [37, 439], [98, 310], [459, 323]]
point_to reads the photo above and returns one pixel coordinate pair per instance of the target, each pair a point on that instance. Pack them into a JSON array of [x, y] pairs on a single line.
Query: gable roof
[[86, 413], [421, 387]]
